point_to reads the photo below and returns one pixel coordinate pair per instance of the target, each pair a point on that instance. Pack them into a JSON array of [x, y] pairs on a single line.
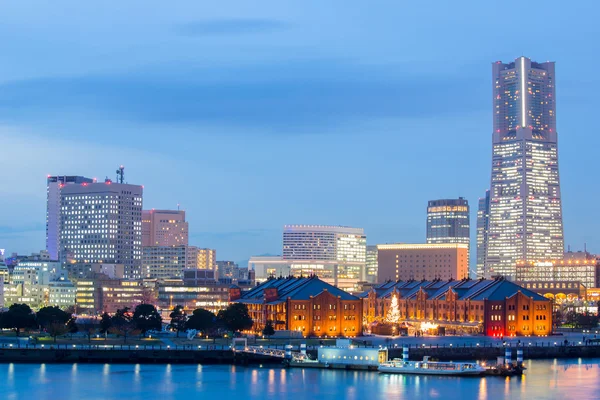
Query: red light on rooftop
[[84, 184], [48, 176], [108, 182]]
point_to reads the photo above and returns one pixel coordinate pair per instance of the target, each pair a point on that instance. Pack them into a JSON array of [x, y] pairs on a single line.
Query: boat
[[427, 367]]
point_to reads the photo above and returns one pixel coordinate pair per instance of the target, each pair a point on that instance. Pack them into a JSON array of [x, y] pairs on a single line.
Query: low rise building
[[422, 261], [493, 307], [576, 268], [307, 305], [266, 267]]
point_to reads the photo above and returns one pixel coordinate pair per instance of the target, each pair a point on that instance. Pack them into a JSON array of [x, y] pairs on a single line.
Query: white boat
[[426, 367]]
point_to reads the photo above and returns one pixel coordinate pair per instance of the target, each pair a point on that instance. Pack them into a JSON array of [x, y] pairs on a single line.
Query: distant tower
[[448, 221], [483, 226], [525, 201]]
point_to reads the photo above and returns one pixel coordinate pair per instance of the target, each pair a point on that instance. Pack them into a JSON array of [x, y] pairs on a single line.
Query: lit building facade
[[164, 228], [448, 221], [306, 305], [483, 227], [560, 279], [102, 223], [525, 222], [493, 307], [266, 267], [206, 259], [371, 264], [336, 254], [422, 261], [54, 185]]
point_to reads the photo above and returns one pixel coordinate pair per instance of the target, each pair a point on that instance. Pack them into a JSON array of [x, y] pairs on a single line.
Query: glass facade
[[335, 253], [372, 265], [483, 226], [525, 221], [448, 221]]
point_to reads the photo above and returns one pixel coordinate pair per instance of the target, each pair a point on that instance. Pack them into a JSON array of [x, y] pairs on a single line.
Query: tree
[[18, 316], [268, 330], [146, 317], [393, 314], [72, 325], [236, 317], [105, 324], [178, 319], [122, 323], [202, 320], [50, 315], [56, 329]]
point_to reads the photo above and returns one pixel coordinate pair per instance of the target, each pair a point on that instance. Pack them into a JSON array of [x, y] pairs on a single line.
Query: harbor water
[[544, 379]]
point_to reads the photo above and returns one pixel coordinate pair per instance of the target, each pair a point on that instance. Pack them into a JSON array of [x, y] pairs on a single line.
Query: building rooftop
[[302, 288]]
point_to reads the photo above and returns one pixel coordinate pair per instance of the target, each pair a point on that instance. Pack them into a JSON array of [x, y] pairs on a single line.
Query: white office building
[[102, 223]]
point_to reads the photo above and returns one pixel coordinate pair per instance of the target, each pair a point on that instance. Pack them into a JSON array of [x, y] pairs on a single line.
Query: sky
[[256, 115]]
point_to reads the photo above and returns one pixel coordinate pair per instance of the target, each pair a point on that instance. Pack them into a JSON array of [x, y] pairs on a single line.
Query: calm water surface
[[551, 379]]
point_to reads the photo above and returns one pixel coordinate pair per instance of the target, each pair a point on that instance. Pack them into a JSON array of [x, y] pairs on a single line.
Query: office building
[[422, 261], [164, 228], [483, 226], [495, 308], [163, 262], [564, 279], [336, 254], [448, 221], [102, 294], [266, 267], [54, 185], [525, 201], [306, 305], [102, 223], [371, 264]]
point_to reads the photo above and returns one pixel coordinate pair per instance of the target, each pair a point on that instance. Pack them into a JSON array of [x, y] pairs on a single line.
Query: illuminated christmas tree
[[393, 314]]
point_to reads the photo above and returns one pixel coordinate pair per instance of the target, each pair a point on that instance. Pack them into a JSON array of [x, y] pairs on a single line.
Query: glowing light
[[523, 77]]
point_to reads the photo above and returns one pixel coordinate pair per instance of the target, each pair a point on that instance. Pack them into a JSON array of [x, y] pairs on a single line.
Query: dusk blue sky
[[253, 115]]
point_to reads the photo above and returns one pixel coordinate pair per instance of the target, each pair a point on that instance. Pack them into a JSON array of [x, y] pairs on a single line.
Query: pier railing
[[278, 350]]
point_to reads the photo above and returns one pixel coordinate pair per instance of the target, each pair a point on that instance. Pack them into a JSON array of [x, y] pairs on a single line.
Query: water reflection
[[543, 380]]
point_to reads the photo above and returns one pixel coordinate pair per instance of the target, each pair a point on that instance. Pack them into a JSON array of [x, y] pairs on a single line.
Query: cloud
[[287, 97], [235, 26]]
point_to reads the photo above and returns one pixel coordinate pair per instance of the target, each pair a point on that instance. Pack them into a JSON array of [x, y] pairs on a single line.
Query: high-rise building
[[422, 261], [371, 264], [448, 222], [525, 201], [336, 254], [53, 190], [102, 223], [164, 228], [207, 259], [483, 227]]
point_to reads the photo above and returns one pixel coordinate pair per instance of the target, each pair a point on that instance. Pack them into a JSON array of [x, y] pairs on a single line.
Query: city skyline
[[376, 112]]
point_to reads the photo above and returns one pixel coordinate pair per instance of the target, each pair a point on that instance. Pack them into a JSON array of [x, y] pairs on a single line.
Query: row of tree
[[52, 320], [125, 322], [234, 318]]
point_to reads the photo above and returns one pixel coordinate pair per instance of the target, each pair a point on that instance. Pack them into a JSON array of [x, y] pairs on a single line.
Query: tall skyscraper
[[53, 189], [483, 227], [337, 254], [164, 228], [448, 222], [525, 201], [102, 223]]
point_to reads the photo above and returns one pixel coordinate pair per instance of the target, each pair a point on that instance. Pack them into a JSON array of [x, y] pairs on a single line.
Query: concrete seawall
[[226, 356], [29, 355]]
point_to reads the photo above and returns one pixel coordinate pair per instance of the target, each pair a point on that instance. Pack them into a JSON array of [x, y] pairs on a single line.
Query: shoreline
[[227, 356]]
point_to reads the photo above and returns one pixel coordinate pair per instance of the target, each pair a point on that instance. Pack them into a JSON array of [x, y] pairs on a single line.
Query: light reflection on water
[[577, 378]]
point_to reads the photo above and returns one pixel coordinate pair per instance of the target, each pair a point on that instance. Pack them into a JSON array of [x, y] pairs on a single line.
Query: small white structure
[[348, 356]]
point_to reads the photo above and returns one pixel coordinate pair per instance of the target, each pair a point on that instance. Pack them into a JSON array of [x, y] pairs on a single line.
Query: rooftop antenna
[[177, 206], [120, 174]]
